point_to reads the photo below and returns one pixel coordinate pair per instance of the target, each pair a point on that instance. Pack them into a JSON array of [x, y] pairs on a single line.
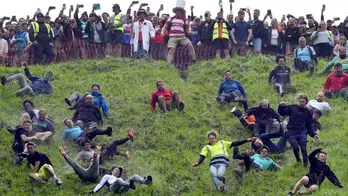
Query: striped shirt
[[177, 26]]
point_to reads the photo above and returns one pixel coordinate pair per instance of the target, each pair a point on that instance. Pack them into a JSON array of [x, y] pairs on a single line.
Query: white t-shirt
[[106, 178], [322, 106], [274, 37], [3, 47]]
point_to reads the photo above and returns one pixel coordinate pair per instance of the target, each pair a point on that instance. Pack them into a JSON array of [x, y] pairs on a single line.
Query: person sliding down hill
[[217, 151], [166, 99], [231, 90], [317, 173], [116, 184]]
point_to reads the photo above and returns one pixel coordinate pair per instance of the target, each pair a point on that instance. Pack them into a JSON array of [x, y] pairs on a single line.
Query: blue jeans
[[229, 97], [257, 44], [217, 171], [274, 147]]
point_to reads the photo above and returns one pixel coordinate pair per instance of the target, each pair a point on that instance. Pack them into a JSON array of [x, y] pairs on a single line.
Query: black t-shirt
[[18, 133], [37, 156]]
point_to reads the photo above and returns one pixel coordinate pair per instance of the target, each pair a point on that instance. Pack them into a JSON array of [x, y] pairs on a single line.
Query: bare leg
[[304, 181], [227, 53], [170, 55], [218, 51]]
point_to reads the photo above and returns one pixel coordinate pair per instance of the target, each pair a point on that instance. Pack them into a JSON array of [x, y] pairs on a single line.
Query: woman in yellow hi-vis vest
[[217, 152], [220, 35], [115, 33]]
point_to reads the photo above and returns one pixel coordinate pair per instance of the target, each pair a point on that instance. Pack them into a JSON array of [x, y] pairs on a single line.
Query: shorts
[[311, 181], [43, 174], [180, 40], [114, 37], [221, 43]]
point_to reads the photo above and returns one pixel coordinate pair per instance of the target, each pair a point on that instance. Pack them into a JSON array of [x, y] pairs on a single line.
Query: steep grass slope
[[167, 145]]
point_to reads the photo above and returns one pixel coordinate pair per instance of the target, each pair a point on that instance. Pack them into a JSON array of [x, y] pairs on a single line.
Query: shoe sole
[[233, 109]]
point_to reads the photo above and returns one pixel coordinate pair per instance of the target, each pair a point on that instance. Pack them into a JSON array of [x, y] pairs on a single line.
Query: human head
[[21, 20], [302, 41], [48, 75], [28, 105], [155, 20], [25, 117], [342, 53], [105, 16], [159, 85], [212, 137], [24, 26], [18, 28], [87, 145], [92, 17], [89, 100], [265, 25], [68, 122], [292, 23], [219, 16], [207, 15], [274, 23], [264, 150], [329, 23], [228, 75], [322, 155], [281, 60], [302, 100], [264, 104], [142, 14], [343, 41], [338, 69], [241, 15], [95, 87], [116, 9], [27, 125], [179, 12], [40, 17], [317, 114], [320, 97], [230, 17], [322, 25], [310, 22], [84, 16], [42, 114], [256, 143], [31, 146], [256, 14], [117, 171], [47, 19]]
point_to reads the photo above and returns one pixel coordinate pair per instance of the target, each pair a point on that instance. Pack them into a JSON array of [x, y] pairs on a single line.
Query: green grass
[[167, 145]]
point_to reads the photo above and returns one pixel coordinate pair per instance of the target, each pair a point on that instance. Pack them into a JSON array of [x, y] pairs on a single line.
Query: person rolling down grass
[[43, 169], [116, 184], [318, 170], [217, 151]]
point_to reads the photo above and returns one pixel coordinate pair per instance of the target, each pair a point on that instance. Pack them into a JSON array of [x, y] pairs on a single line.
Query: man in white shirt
[[143, 31], [116, 184], [319, 103]]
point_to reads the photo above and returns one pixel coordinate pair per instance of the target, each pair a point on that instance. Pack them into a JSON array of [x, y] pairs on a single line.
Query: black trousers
[[42, 50]]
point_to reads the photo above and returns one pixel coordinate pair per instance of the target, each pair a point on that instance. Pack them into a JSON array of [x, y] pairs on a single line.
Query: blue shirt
[[241, 31], [38, 85], [228, 86], [100, 102], [304, 54], [264, 162], [127, 36], [72, 133]]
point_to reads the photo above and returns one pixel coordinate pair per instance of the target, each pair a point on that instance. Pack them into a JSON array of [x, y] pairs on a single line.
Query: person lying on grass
[[116, 184], [38, 85], [318, 170]]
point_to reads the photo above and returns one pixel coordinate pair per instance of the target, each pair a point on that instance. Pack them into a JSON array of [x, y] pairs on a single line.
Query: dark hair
[[8, 23], [319, 112], [97, 85], [28, 101], [256, 10], [227, 71], [303, 96], [212, 133], [265, 147], [338, 65], [87, 141], [158, 81], [322, 152], [120, 168], [31, 144], [280, 57]]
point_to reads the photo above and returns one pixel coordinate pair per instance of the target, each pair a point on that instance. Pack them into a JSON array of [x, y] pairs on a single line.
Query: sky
[[278, 7]]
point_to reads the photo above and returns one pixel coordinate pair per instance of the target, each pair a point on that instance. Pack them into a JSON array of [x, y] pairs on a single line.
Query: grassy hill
[[167, 145]]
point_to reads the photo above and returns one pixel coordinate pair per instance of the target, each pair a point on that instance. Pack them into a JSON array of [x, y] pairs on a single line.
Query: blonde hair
[[24, 118], [343, 38]]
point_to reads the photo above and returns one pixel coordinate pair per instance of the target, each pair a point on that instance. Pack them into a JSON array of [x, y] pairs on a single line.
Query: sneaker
[[148, 180], [67, 101], [131, 184], [22, 155], [108, 131], [58, 182], [221, 188], [291, 193], [236, 112], [127, 155], [3, 80], [218, 99], [282, 94], [62, 152], [130, 134], [181, 106], [233, 110]]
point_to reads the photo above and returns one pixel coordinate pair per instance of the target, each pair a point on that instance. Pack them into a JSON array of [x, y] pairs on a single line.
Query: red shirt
[[166, 93], [158, 38], [140, 38], [335, 83]]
